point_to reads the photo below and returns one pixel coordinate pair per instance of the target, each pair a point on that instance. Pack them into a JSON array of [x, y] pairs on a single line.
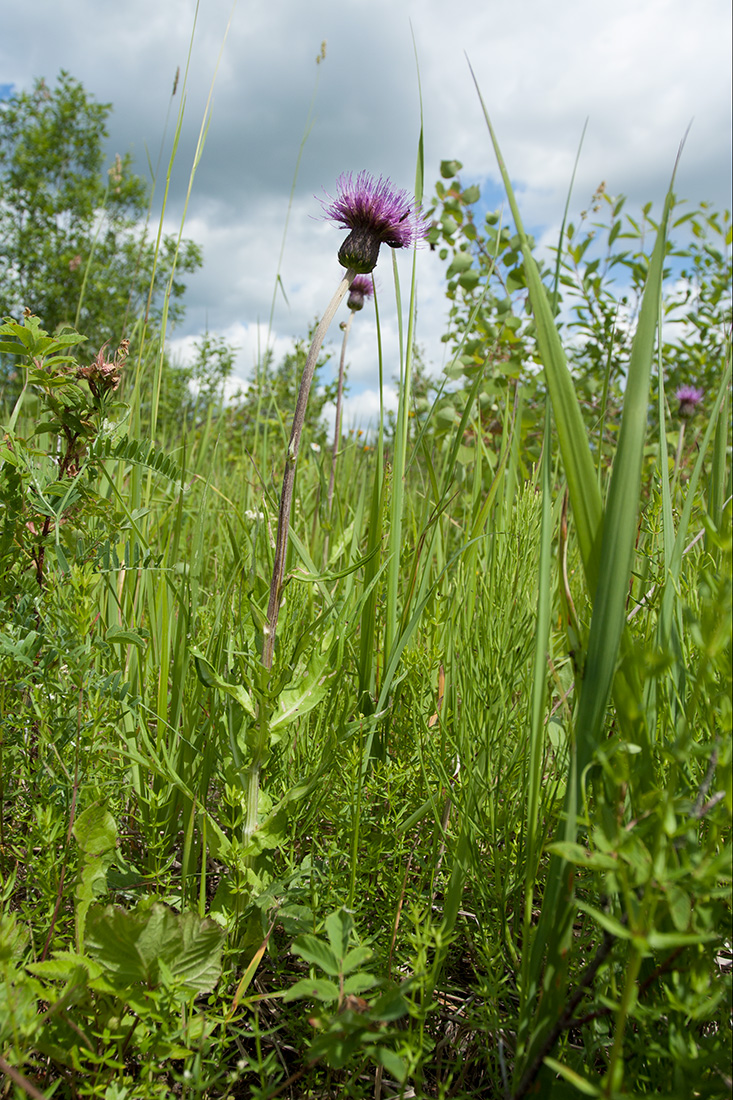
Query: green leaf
[[450, 168], [663, 941], [295, 702], [124, 637], [95, 832], [469, 280], [339, 926], [313, 989], [13, 939], [393, 1064], [462, 261], [131, 944], [680, 906], [211, 679], [65, 965], [390, 1006], [318, 953], [580, 1083], [575, 853], [611, 924], [358, 983], [355, 958]]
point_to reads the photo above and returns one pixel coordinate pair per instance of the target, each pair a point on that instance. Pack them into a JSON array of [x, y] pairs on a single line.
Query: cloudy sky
[[639, 71]]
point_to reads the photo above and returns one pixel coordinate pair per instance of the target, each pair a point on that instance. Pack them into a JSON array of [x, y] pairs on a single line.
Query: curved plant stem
[[286, 496]]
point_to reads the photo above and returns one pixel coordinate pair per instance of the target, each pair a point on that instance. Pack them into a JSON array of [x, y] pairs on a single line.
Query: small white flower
[[315, 447]]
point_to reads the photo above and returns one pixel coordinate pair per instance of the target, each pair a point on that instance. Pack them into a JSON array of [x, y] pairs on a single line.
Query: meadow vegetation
[[469, 835]]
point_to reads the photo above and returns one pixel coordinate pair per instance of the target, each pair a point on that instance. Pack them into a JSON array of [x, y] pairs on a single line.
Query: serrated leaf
[[64, 965], [131, 944]]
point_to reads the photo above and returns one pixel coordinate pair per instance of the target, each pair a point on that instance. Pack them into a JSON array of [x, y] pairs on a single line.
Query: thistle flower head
[[360, 289], [689, 398], [376, 214]]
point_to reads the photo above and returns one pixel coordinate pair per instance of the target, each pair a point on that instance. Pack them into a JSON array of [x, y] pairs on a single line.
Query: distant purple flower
[[689, 398], [376, 214], [360, 289]]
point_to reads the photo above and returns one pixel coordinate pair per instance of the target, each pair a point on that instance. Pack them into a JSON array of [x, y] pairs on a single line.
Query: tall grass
[[487, 843]]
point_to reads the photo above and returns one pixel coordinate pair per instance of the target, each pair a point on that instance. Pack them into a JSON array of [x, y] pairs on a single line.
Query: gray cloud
[[640, 73]]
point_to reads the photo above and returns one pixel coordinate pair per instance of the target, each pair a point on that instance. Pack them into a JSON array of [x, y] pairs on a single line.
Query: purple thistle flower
[[360, 289], [376, 214], [689, 398]]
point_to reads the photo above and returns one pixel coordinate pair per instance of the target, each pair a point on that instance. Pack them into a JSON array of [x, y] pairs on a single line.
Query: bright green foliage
[[349, 1026], [492, 757], [73, 244], [604, 263], [95, 832]]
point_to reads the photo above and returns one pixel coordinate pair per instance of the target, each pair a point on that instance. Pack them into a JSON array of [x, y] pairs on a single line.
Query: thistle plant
[[376, 214], [361, 289], [689, 398]]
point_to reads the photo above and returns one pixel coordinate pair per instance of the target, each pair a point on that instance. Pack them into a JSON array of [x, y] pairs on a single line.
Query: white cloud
[[639, 72]]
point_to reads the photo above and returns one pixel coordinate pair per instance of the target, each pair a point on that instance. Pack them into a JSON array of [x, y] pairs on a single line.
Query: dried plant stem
[[286, 496]]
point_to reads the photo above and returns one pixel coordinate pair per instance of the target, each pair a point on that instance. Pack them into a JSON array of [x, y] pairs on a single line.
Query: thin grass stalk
[[399, 448], [719, 473], [306, 134], [156, 250], [397, 504], [539, 696], [339, 410], [198, 152]]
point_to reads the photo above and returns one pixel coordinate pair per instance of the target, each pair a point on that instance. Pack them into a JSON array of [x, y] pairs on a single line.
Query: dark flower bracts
[[376, 214]]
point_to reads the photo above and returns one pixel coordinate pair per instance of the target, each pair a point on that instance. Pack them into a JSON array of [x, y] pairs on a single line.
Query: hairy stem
[[286, 496]]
